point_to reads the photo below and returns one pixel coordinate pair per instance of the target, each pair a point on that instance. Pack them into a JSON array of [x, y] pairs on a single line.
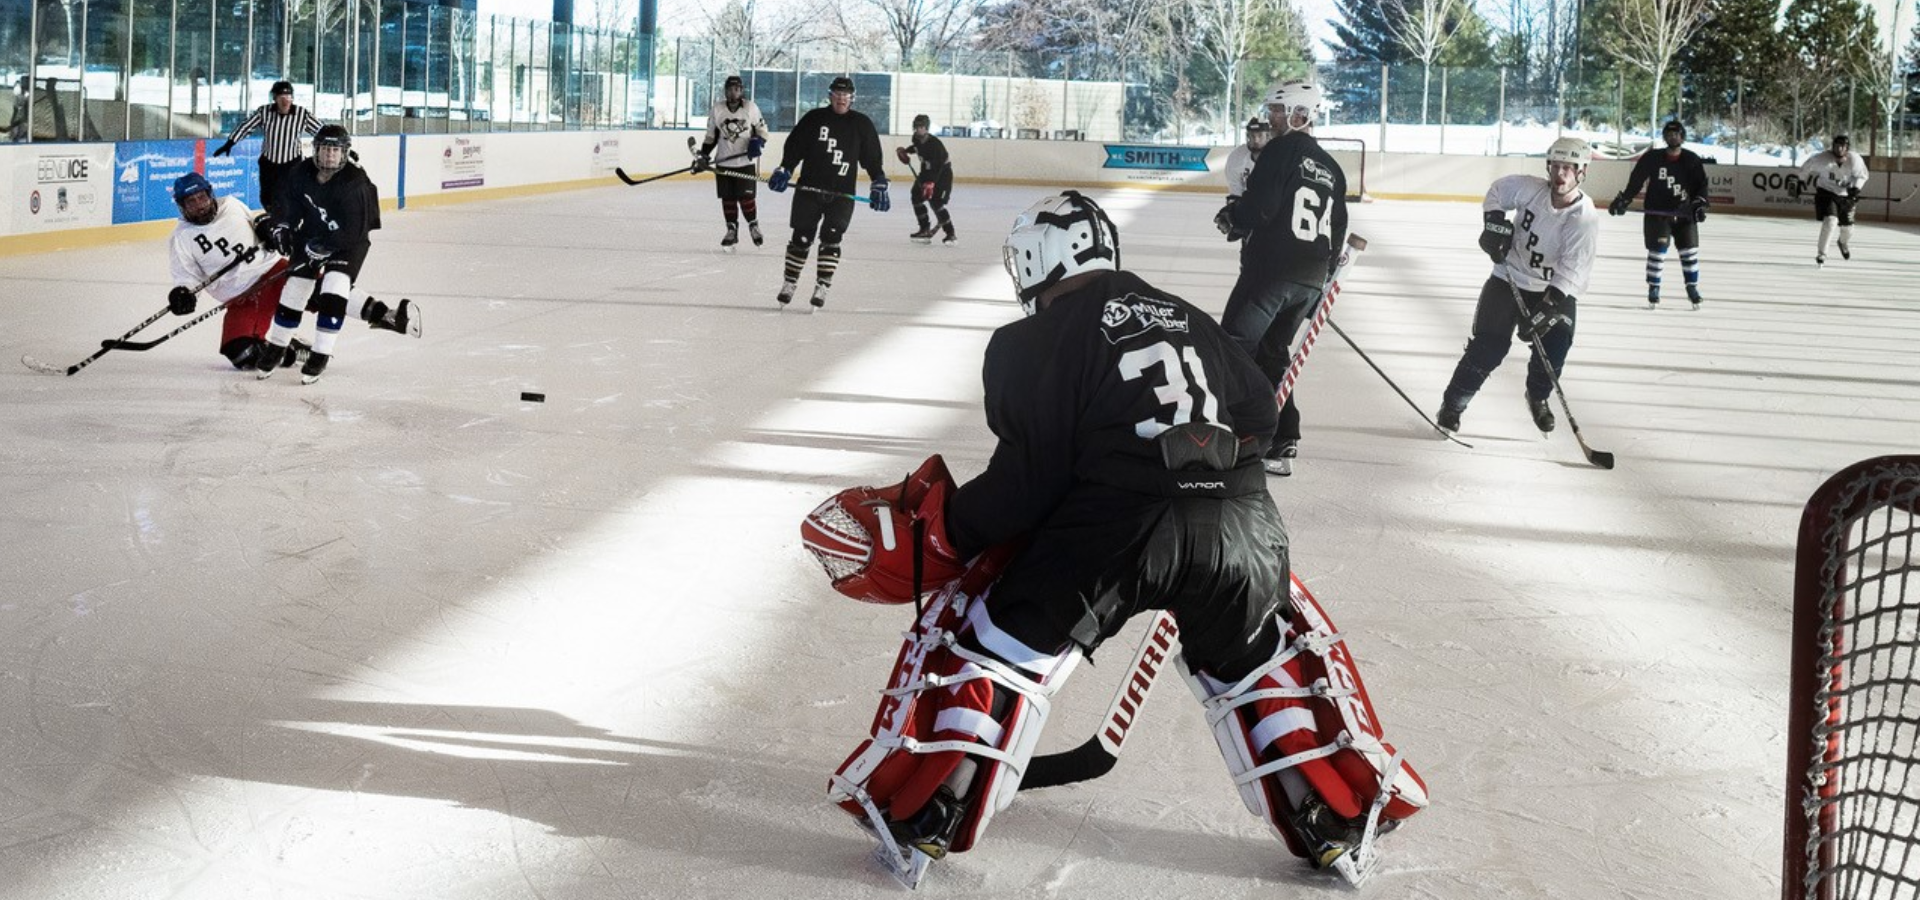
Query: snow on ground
[[401, 635]]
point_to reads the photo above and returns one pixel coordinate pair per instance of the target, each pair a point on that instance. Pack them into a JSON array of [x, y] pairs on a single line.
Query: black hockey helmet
[[842, 84], [1673, 125], [332, 136], [733, 81], [281, 87], [922, 121], [1840, 140]]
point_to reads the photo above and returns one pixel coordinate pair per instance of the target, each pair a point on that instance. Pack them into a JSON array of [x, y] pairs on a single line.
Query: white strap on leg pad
[[953, 720], [1304, 745]]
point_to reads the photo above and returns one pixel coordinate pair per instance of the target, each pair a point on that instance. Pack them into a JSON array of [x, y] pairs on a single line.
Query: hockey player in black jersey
[[826, 146], [1294, 216], [1676, 184], [326, 212], [932, 184], [1126, 477]]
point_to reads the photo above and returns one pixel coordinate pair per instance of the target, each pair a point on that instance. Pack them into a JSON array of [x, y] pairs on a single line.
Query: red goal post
[[1852, 829]]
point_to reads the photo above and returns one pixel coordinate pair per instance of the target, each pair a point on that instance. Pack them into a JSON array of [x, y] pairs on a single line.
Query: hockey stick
[[137, 346], [632, 182], [1096, 755], [116, 344], [1396, 388], [1599, 458], [798, 187]]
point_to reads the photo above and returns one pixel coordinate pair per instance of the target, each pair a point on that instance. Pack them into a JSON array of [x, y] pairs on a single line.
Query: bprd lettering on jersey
[[1134, 315], [833, 147]]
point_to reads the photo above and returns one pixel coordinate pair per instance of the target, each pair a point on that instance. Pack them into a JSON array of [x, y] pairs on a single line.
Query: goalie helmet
[[1055, 239], [1570, 150]]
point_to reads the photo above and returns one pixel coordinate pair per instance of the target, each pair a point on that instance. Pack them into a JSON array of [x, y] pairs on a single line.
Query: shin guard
[[957, 724], [1305, 747]]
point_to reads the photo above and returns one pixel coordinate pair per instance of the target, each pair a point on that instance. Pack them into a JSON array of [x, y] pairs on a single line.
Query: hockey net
[[1853, 735]]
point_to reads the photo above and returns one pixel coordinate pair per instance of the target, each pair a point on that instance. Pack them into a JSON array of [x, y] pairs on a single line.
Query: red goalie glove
[[888, 544]]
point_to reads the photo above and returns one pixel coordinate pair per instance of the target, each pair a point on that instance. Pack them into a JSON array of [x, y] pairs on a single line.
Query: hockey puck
[[533, 397]]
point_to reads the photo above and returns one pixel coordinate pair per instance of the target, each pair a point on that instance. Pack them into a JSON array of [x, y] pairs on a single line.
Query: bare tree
[[1423, 28], [929, 25], [1222, 29], [1650, 33]]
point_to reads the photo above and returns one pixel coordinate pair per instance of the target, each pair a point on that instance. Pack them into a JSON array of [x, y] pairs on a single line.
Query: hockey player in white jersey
[[211, 232], [1239, 165], [736, 133], [1837, 175], [1549, 260]]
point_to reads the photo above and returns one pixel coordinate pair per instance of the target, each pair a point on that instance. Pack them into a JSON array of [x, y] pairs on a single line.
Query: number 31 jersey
[[1079, 392]]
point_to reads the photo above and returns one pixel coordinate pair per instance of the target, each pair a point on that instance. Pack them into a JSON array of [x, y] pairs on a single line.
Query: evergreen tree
[[1734, 57], [1835, 45]]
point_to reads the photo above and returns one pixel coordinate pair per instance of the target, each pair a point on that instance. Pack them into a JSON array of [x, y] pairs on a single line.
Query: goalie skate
[[905, 862]]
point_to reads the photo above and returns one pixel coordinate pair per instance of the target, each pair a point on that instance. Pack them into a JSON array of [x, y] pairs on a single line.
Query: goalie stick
[[120, 343], [1599, 458], [1096, 755]]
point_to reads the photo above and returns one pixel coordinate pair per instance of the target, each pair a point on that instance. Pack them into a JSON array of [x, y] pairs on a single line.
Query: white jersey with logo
[[1550, 246], [729, 129], [1828, 173], [201, 250], [1239, 165]]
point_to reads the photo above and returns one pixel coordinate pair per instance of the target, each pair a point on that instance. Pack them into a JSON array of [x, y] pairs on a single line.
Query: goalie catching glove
[[887, 545]]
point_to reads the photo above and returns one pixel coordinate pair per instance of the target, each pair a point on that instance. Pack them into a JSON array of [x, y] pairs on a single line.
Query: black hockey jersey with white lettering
[[1078, 393], [342, 211], [1671, 182], [1294, 212], [828, 146]]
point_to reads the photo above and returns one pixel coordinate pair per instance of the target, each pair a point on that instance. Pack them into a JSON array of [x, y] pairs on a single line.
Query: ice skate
[[1449, 418], [753, 231], [1820, 262], [786, 293], [1279, 460], [1845, 253], [1653, 298], [819, 296], [1693, 296], [950, 240], [732, 238], [316, 364], [404, 319], [923, 236], [1542, 415], [270, 360]]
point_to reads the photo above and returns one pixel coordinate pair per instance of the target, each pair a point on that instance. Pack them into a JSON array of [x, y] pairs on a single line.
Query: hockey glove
[[778, 181], [1496, 235], [1223, 219], [906, 156], [877, 197], [926, 191], [1853, 194], [225, 149], [702, 162], [878, 544], [1619, 205], [318, 250], [754, 146], [1793, 187], [1553, 307], [1698, 209], [277, 237], [181, 301]]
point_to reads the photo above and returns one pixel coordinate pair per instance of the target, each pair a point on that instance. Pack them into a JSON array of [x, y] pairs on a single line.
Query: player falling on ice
[[211, 232], [1549, 262], [736, 133], [826, 146], [1127, 477], [1837, 175], [1676, 184]]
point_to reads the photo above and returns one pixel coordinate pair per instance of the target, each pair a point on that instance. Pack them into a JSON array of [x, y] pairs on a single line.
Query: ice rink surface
[[399, 634]]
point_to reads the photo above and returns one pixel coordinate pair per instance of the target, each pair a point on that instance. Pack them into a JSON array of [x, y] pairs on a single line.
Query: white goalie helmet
[[1570, 150], [1055, 239], [1298, 94]]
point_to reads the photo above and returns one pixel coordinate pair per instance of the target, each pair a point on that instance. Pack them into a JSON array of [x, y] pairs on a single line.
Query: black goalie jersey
[[1078, 394]]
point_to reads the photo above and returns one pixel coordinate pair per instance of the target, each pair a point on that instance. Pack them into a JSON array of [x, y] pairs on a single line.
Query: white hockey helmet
[[1055, 239], [1570, 150], [1294, 95]]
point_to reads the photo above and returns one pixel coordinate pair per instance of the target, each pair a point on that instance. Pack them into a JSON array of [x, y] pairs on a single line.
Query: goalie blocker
[[966, 703]]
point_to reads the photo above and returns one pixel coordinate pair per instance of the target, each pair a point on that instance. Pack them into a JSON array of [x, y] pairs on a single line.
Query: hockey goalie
[[1126, 478]]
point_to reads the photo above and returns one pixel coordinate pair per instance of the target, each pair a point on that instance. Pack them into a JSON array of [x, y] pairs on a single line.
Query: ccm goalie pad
[[1305, 748], [888, 544], [957, 724]]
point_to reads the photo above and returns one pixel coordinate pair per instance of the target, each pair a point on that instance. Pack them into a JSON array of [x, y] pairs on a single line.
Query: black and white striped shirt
[[280, 134]]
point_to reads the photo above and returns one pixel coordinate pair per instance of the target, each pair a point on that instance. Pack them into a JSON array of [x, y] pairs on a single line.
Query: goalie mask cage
[[1853, 732]]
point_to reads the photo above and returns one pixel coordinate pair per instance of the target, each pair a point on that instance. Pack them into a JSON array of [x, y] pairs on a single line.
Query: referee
[[282, 124]]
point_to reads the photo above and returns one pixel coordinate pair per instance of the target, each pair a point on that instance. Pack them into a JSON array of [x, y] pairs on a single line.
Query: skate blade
[[1280, 467], [907, 865], [309, 379], [1355, 867]]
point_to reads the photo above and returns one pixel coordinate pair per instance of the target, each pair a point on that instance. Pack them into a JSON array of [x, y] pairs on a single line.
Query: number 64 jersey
[[1294, 212], [1079, 392]]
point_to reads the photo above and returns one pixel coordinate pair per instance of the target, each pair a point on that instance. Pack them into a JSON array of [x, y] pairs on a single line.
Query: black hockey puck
[[533, 397]]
